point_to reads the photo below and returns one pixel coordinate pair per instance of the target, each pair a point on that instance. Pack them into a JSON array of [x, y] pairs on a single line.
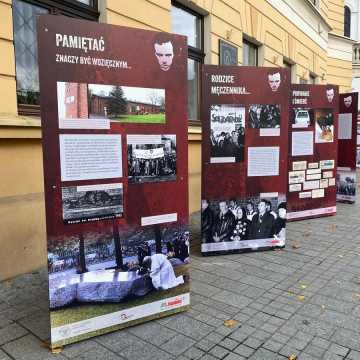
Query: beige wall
[[336, 15], [22, 218], [22, 222]]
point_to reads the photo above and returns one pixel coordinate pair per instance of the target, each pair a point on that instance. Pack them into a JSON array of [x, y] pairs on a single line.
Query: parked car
[[302, 119]]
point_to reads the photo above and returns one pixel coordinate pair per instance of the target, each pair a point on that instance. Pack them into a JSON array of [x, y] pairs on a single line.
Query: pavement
[[302, 302]]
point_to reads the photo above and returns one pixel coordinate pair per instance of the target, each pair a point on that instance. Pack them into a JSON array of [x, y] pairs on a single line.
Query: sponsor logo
[[125, 317], [172, 303], [65, 332]]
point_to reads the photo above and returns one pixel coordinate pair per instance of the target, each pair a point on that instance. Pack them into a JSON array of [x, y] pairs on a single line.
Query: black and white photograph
[[324, 126], [243, 219], [86, 203], [346, 185], [118, 265], [227, 135], [302, 118], [151, 158], [264, 117]]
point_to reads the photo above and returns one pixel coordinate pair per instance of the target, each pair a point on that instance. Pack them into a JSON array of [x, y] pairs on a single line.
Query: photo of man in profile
[[164, 51], [274, 81], [330, 95], [348, 101]]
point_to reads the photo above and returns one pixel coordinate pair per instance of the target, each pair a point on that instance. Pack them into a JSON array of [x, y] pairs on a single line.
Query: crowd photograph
[[227, 134], [264, 116], [94, 202], [237, 220], [346, 183], [152, 162]]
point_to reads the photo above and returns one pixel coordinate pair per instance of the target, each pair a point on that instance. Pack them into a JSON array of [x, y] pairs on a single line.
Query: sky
[[131, 93]]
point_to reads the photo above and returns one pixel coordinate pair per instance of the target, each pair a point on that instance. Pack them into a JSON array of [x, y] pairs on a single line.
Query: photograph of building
[[76, 105]]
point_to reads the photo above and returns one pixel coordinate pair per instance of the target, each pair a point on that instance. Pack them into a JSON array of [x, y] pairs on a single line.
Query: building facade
[[305, 35], [76, 101], [352, 30]]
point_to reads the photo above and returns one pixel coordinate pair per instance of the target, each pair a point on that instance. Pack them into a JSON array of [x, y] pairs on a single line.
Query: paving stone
[[314, 351], [229, 344], [71, 351], [338, 350], [11, 332], [30, 348], [193, 353], [4, 356], [298, 344], [144, 351], [253, 342], [263, 354], [273, 345], [230, 298], [322, 343], [152, 333], [347, 338], [219, 352], [233, 356], [353, 355], [97, 353], [280, 338], [305, 356], [189, 327], [119, 340], [244, 350], [38, 324], [215, 337], [331, 356], [205, 345], [177, 344], [287, 351]]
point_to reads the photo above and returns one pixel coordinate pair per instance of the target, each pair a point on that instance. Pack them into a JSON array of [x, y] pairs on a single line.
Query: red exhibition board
[[347, 146], [244, 157], [114, 121], [313, 129]]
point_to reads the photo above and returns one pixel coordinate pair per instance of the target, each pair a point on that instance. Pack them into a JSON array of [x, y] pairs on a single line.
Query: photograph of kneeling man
[[161, 272]]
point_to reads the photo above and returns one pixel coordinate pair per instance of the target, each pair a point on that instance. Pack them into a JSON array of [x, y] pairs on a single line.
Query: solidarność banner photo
[[114, 121]]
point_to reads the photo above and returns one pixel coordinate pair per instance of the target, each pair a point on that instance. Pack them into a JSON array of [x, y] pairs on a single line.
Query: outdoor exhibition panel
[[244, 157], [347, 138], [114, 120], [312, 151]]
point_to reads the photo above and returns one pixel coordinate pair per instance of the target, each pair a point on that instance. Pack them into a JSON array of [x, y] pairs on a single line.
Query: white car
[[302, 119]]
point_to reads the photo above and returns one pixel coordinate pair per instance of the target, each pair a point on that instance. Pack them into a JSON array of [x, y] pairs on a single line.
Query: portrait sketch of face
[[164, 53], [330, 95], [274, 81], [348, 101]]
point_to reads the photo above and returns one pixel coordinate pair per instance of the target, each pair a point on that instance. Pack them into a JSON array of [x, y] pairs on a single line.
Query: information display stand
[[347, 148], [113, 108], [312, 151], [244, 158]]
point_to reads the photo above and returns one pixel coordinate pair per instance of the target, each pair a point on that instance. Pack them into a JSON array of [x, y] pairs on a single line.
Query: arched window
[[347, 21]]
